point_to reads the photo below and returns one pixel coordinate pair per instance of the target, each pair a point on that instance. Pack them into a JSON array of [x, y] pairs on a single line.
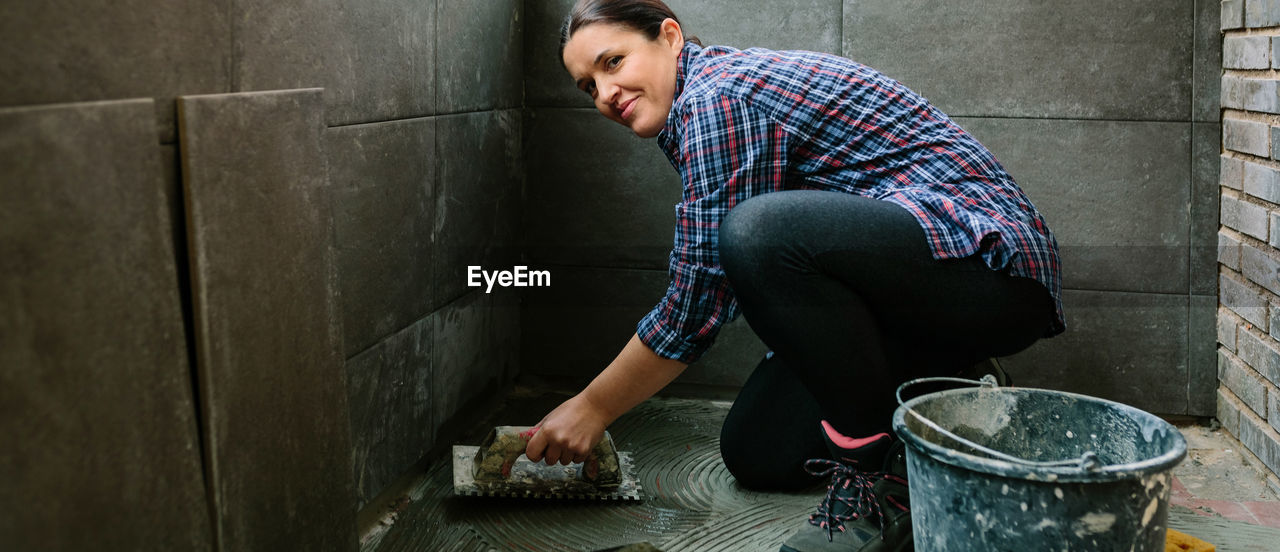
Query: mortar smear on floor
[[691, 503]]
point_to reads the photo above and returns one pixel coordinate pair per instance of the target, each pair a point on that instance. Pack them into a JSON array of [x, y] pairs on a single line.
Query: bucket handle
[[986, 381], [1086, 462]]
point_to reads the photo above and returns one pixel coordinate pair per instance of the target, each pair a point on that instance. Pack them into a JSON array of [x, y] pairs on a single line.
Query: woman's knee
[[770, 430], [747, 231], [738, 229]]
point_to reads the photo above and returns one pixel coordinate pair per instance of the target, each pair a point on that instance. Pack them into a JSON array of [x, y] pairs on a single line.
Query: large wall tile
[[483, 65], [390, 393], [376, 60], [383, 177], [102, 450], [1206, 88], [79, 51], [476, 350], [795, 25], [545, 80], [597, 195], [1069, 59], [1206, 144], [577, 326], [268, 335], [1116, 195], [1126, 347], [479, 199], [1202, 352]]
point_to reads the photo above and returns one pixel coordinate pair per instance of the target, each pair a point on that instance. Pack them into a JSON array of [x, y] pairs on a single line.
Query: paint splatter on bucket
[[1014, 469]]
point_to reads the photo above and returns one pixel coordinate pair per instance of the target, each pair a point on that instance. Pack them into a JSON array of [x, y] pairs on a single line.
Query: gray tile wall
[[419, 144], [1109, 110], [429, 190], [83, 50], [376, 61], [418, 201], [1074, 59]]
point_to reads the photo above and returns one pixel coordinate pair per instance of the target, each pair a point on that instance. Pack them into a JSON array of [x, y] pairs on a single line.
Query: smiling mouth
[[627, 108]]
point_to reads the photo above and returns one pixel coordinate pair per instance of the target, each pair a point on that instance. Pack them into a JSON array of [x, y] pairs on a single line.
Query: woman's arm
[[728, 152], [570, 431]]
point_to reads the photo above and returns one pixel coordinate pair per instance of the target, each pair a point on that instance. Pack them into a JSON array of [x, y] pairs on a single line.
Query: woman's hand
[[568, 433]]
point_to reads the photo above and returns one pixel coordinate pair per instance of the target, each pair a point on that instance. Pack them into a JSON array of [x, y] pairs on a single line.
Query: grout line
[[425, 117], [437, 187], [1191, 193], [233, 76], [840, 46]]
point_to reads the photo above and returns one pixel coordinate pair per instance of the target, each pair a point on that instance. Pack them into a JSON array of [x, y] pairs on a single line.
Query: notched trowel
[[498, 467]]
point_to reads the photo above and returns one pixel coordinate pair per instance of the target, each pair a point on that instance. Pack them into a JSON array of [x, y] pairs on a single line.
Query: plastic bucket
[[1016, 469]]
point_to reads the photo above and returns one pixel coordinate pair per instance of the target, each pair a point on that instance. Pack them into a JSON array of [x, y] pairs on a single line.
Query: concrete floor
[[1222, 494], [692, 503]]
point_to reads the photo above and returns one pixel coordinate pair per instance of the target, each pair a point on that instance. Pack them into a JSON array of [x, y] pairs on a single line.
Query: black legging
[[846, 293]]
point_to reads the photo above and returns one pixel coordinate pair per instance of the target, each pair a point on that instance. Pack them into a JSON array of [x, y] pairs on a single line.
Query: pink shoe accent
[[850, 442]]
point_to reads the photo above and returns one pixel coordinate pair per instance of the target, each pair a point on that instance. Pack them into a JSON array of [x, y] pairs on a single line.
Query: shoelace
[[860, 502]]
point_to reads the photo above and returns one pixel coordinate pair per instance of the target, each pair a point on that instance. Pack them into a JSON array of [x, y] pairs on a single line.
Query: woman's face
[[631, 79]]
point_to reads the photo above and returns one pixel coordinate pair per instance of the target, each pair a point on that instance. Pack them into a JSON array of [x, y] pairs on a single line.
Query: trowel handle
[[506, 444]]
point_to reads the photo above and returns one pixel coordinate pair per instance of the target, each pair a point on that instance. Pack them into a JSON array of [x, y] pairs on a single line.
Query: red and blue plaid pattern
[[756, 121]]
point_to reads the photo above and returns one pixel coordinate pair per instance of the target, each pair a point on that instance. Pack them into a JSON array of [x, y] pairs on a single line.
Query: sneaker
[[864, 511]]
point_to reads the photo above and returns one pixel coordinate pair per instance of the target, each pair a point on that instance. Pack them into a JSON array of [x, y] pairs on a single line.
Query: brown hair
[[644, 16]]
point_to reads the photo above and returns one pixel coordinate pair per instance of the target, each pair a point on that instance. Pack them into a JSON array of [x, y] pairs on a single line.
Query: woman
[[864, 236]]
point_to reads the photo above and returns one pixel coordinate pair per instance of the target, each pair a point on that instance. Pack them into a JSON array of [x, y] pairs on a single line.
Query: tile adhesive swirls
[[691, 503]]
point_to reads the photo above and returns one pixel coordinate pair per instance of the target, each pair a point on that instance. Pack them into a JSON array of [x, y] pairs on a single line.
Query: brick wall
[[1249, 235]]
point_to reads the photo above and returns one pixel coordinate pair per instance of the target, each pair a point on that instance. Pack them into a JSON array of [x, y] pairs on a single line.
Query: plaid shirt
[[757, 121]]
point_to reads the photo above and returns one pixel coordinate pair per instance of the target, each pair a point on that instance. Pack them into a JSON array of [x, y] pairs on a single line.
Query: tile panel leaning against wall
[[1248, 313], [99, 445], [268, 337]]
